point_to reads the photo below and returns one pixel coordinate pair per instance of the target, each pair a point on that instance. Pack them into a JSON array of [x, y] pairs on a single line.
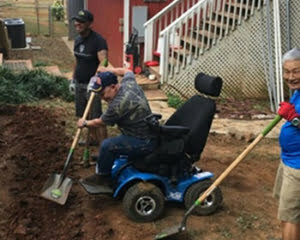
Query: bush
[[27, 86], [174, 101]]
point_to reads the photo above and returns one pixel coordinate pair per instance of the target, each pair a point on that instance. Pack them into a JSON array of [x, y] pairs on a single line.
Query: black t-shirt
[[85, 51]]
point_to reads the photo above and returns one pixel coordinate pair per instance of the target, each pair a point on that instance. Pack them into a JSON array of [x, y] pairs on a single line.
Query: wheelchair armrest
[[152, 117], [174, 131], [152, 122]]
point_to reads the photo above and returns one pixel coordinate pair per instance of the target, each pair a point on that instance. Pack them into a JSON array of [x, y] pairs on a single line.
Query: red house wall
[[106, 22]]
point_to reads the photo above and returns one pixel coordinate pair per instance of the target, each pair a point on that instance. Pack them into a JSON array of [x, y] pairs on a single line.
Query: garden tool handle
[[85, 114], [238, 160]]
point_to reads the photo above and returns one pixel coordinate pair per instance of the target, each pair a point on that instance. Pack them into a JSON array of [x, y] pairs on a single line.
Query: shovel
[[182, 227], [58, 186], [86, 153]]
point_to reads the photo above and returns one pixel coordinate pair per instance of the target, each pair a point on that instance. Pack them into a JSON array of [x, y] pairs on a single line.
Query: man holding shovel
[[287, 184], [127, 107], [90, 50]]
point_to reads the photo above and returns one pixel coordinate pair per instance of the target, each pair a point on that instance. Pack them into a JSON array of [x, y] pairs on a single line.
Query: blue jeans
[[111, 148]]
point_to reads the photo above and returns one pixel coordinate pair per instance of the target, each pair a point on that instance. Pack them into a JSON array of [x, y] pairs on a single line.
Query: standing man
[[287, 184], [90, 50], [127, 107]]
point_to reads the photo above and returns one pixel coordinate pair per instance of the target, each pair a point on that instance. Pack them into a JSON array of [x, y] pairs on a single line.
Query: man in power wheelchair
[[167, 173]]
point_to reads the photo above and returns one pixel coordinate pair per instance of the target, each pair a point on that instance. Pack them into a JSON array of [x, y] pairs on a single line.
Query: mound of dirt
[[32, 141], [33, 145]]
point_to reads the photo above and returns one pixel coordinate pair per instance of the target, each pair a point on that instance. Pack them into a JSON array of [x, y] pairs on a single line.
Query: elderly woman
[[287, 184]]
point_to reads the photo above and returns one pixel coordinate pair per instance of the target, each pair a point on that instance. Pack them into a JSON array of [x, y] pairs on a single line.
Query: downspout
[[126, 27], [288, 25], [288, 31]]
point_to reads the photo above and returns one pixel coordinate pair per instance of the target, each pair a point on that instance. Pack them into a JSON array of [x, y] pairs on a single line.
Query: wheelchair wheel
[[209, 205], [143, 202]]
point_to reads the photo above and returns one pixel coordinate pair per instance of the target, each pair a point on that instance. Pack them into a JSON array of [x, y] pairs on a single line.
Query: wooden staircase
[[217, 24]]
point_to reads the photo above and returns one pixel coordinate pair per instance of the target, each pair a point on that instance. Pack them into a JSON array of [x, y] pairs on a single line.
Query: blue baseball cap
[[106, 79]]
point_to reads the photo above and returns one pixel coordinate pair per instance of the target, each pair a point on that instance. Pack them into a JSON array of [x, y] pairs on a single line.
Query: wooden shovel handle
[[238, 160], [85, 114]]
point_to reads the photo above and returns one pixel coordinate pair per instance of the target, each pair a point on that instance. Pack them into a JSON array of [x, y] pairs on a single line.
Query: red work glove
[[287, 111]]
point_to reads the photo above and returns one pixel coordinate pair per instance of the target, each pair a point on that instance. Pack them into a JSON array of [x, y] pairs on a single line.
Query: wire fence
[[37, 16]]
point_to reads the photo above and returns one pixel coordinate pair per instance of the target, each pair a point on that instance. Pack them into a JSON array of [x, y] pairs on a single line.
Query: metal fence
[[36, 14]]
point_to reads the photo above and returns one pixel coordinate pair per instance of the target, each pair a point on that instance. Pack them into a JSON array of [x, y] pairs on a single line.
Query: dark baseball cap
[[84, 16], [106, 79]]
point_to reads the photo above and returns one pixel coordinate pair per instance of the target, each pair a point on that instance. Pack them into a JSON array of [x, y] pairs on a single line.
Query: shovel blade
[[169, 232], [56, 192]]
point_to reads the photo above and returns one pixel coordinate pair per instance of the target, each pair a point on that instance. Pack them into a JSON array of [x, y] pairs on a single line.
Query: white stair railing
[[160, 21], [198, 29]]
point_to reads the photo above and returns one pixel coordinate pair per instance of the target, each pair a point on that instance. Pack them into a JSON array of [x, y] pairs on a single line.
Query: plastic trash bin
[[16, 32]]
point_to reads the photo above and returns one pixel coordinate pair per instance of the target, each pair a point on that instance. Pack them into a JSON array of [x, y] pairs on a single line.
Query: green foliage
[[175, 101], [57, 10], [28, 86], [40, 64]]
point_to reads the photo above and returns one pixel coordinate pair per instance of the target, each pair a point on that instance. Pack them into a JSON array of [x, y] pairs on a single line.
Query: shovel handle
[[85, 114], [75, 141], [238, 160]]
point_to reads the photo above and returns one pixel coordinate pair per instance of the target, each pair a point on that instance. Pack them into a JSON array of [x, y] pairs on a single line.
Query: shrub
[[27, 86], [175, 101]]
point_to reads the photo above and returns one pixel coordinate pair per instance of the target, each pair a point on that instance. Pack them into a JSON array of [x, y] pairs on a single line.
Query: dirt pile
[[33, 145], [32, 142]]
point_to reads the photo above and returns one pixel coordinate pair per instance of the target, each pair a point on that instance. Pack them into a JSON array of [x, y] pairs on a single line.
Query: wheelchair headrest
[[209, 85]]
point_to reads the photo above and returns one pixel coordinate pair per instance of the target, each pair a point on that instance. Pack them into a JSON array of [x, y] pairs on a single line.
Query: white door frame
[[125, 27]]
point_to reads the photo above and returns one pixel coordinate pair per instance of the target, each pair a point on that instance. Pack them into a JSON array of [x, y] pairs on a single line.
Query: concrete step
[[54, 70], [68, 75], [146, 83], [161, 107], [156, 95], [155, 70], [18, 65]]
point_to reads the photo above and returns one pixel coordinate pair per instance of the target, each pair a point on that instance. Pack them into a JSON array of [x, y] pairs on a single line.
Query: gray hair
[[293, 54]]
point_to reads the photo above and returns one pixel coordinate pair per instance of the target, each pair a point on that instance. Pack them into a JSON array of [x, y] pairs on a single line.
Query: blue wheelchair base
[[124, 175]]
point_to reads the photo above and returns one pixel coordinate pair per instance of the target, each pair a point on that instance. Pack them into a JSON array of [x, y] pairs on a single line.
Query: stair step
[[239, 7], [182, 52], [156, 95], [214, 24], [18, 65], [155, 70], [195, 43], [206, 35], [146, 83], [53, 70], [226, 15], [68, 75]]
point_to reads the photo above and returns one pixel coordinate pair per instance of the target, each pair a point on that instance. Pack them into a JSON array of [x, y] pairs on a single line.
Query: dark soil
[[33, 144], [244, 109]]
